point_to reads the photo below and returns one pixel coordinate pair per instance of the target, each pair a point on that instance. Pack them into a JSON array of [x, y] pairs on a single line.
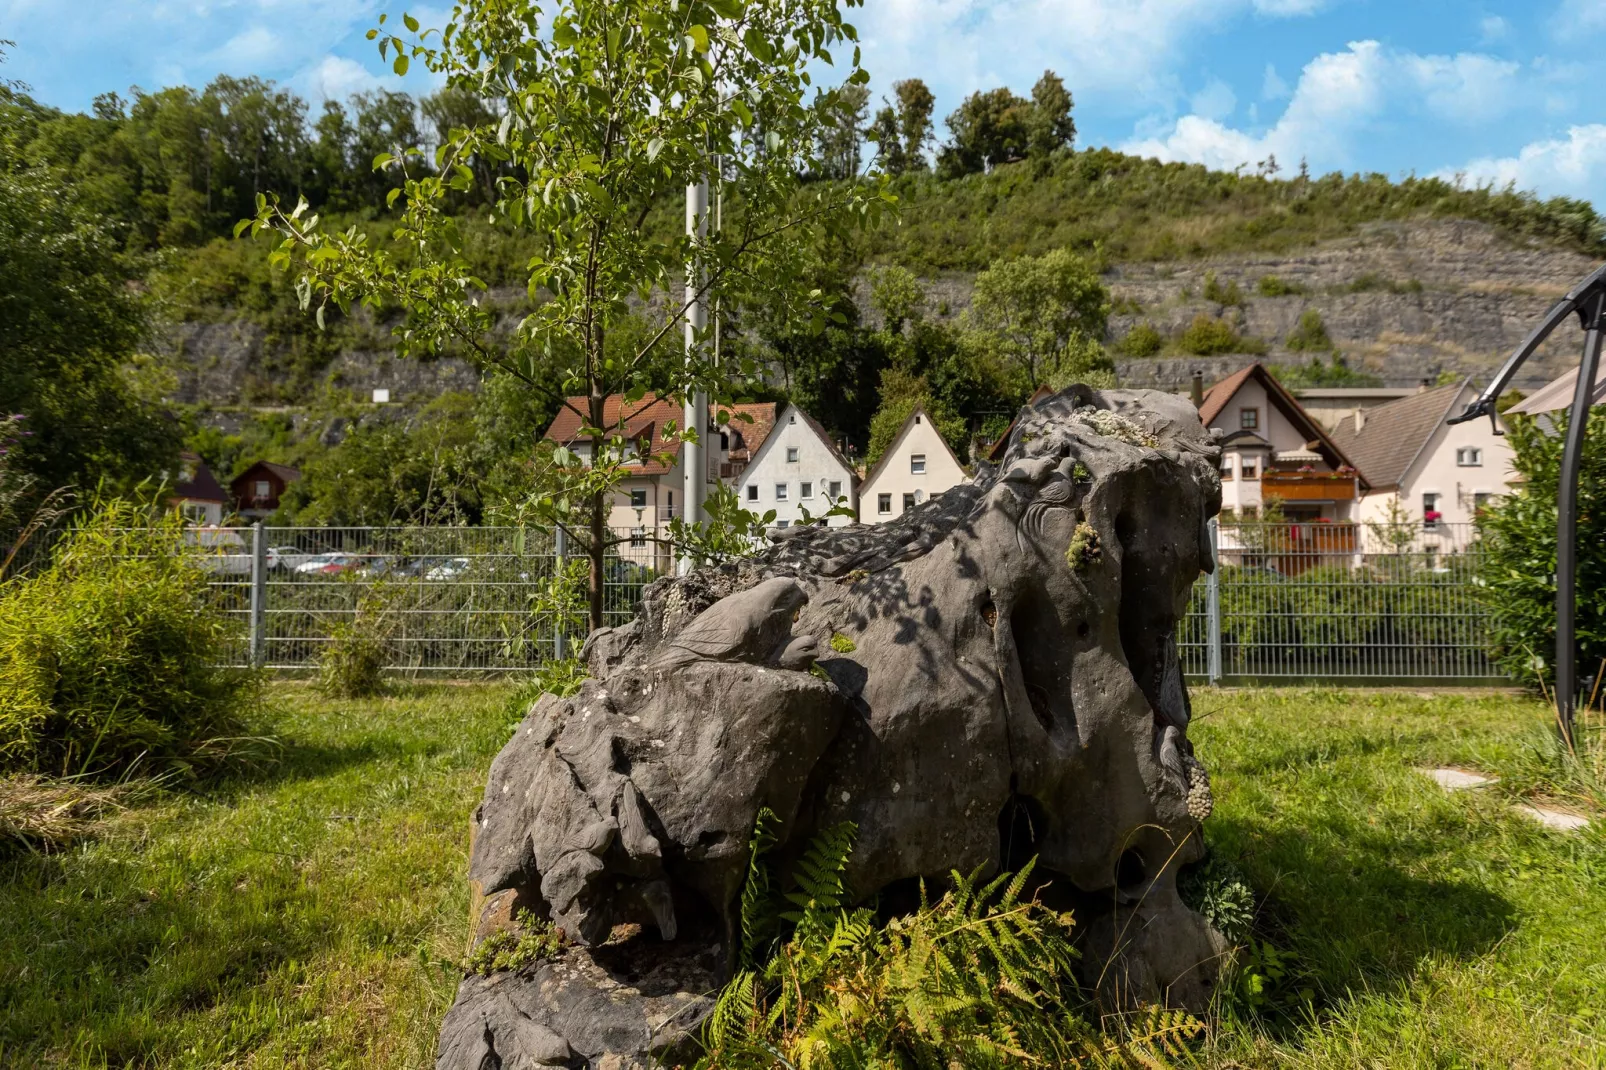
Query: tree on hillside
[[1038, 313], [901, 393], [994, 127], [841, 130], [1051, 128], [915, 104], [607, 112], [883, 130], [69, 328]]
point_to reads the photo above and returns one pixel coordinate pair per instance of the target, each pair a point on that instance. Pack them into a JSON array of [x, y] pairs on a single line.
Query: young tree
[[842, 129], [1051, 126], [887, 137], [915, 105], [1041, 311], [608, 111]]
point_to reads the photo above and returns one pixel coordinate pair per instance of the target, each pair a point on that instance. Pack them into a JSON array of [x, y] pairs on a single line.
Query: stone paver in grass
[[1457, 779], [1560, 820]]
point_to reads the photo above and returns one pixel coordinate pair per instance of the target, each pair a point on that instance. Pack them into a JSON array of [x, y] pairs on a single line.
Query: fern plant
[[980, 978]]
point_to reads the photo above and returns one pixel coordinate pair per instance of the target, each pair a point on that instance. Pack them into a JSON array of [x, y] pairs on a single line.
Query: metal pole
[[259, 595], [1567, 519], [1213, 602], [693, 455], [560, 640]]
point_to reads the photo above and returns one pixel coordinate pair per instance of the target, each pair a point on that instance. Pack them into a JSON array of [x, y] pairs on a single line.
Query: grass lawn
[[307, 916]]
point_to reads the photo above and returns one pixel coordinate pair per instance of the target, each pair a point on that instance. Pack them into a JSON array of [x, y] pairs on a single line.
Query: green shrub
[[1221, 295], [1208, 336], [1310, 334], [1276, 286], [111, 658], [1141, 341], [352, 663], [1518, 566]]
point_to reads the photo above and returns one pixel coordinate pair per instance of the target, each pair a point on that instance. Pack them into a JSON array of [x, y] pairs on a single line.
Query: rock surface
[[997, 679]]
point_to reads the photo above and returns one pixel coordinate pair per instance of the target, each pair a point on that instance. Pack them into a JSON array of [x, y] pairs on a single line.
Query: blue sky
[[1492, 91]]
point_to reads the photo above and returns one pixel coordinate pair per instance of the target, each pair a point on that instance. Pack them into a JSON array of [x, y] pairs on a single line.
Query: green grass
[[300, 918], [309, 916], [1433, 930]]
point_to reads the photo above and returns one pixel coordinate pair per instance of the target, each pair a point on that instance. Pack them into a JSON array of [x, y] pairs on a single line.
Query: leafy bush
[[111, 657], [1218, 889], [1372, 282], [1208, 336], [1317, 372], [537, 940], [1277, 286], [1310, 334], [352, 663], [980, 978], [1518, 570], [1141, 341], [1221, 295]]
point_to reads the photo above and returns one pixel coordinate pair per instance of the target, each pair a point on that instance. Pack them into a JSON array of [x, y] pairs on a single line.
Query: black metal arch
[[1588, 300]]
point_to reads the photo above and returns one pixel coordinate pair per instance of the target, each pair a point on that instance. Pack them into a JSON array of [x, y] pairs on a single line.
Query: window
[[805, 491], [792, 419], [263, 488], [1226, 469], [1469, 457], [1249, 419], [1480, 502], [725, 441], [638, 499], [791, 455], [1430, 512], [917, 464], [883, 503], [834, 489], [752, 492], [908, 502], [917, 419], [638, 538], [195, 514], [780, 492], [1251, 512], [783, 523], [1251, 468]]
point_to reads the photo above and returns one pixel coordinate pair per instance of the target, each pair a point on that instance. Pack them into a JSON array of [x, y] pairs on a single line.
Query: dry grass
[[46, 814]]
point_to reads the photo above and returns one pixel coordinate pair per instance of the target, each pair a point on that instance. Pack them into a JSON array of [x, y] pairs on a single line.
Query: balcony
[[1309, 486]]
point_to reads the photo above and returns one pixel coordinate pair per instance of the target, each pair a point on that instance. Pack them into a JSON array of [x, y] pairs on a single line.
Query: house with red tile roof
[[799, 472], [652, 493], [1272, 448]]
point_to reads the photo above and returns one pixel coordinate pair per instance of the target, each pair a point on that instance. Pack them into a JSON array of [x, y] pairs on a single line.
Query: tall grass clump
[[111, 658], [352, 664]]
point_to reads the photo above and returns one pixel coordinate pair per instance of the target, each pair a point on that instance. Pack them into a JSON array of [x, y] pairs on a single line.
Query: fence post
[[1213, 602], [259, 595], [560, 641]]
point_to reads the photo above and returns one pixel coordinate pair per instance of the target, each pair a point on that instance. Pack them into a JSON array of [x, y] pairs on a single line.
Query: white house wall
[[1436, 472], [895, 478], [814, 470]]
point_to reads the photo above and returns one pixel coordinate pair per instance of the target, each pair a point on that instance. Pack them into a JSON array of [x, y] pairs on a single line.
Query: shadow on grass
[[1340, 900]]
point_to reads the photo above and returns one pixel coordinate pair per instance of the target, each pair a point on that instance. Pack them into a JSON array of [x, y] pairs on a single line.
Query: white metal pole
[[694, 455]]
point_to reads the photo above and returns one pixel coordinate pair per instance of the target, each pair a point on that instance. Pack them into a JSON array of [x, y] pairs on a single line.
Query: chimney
[[1423, 387], [1196, 391], [1360, 420]]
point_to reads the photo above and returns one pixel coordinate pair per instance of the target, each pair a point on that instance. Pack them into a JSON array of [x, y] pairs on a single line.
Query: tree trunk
[[599, 513]]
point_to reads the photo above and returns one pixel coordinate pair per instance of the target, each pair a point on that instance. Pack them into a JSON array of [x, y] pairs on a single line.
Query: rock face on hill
[[991, 677]]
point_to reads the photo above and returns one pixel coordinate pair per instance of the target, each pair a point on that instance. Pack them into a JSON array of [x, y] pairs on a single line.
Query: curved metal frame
[[1588, 300]]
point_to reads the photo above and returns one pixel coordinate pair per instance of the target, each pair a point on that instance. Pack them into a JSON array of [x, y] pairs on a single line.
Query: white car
[[449, 569], [325, 564], [288, 557]]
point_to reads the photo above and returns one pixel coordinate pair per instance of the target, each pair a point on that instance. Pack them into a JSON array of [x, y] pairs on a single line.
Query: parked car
[[448, 569], [288, 558], [330, 564]]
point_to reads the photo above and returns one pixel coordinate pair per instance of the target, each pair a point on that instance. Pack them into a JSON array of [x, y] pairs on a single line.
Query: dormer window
[[1469, 457]]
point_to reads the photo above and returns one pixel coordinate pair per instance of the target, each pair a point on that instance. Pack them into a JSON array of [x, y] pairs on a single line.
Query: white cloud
[[1215, 101], [1338, 96], [1286, 8], [1574, 166], [1273, 87], [1493, 28], [1574, 15], [336, 78]]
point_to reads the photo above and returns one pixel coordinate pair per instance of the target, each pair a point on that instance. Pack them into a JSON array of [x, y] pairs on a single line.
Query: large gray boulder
[[997, 678]]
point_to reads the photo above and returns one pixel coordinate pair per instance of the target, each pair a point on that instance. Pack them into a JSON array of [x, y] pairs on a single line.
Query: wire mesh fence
[[1352, 602], [1371, 601]]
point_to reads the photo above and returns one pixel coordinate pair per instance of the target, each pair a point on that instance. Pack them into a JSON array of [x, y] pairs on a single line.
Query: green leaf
[[564, 35], [726, 9], [757, 45], [698, 36], [239, 228], [382, 159], [400, 66], [412, 23], [654, 147]]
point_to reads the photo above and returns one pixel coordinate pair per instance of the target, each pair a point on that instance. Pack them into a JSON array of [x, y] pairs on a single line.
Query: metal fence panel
[[1350, 602]]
